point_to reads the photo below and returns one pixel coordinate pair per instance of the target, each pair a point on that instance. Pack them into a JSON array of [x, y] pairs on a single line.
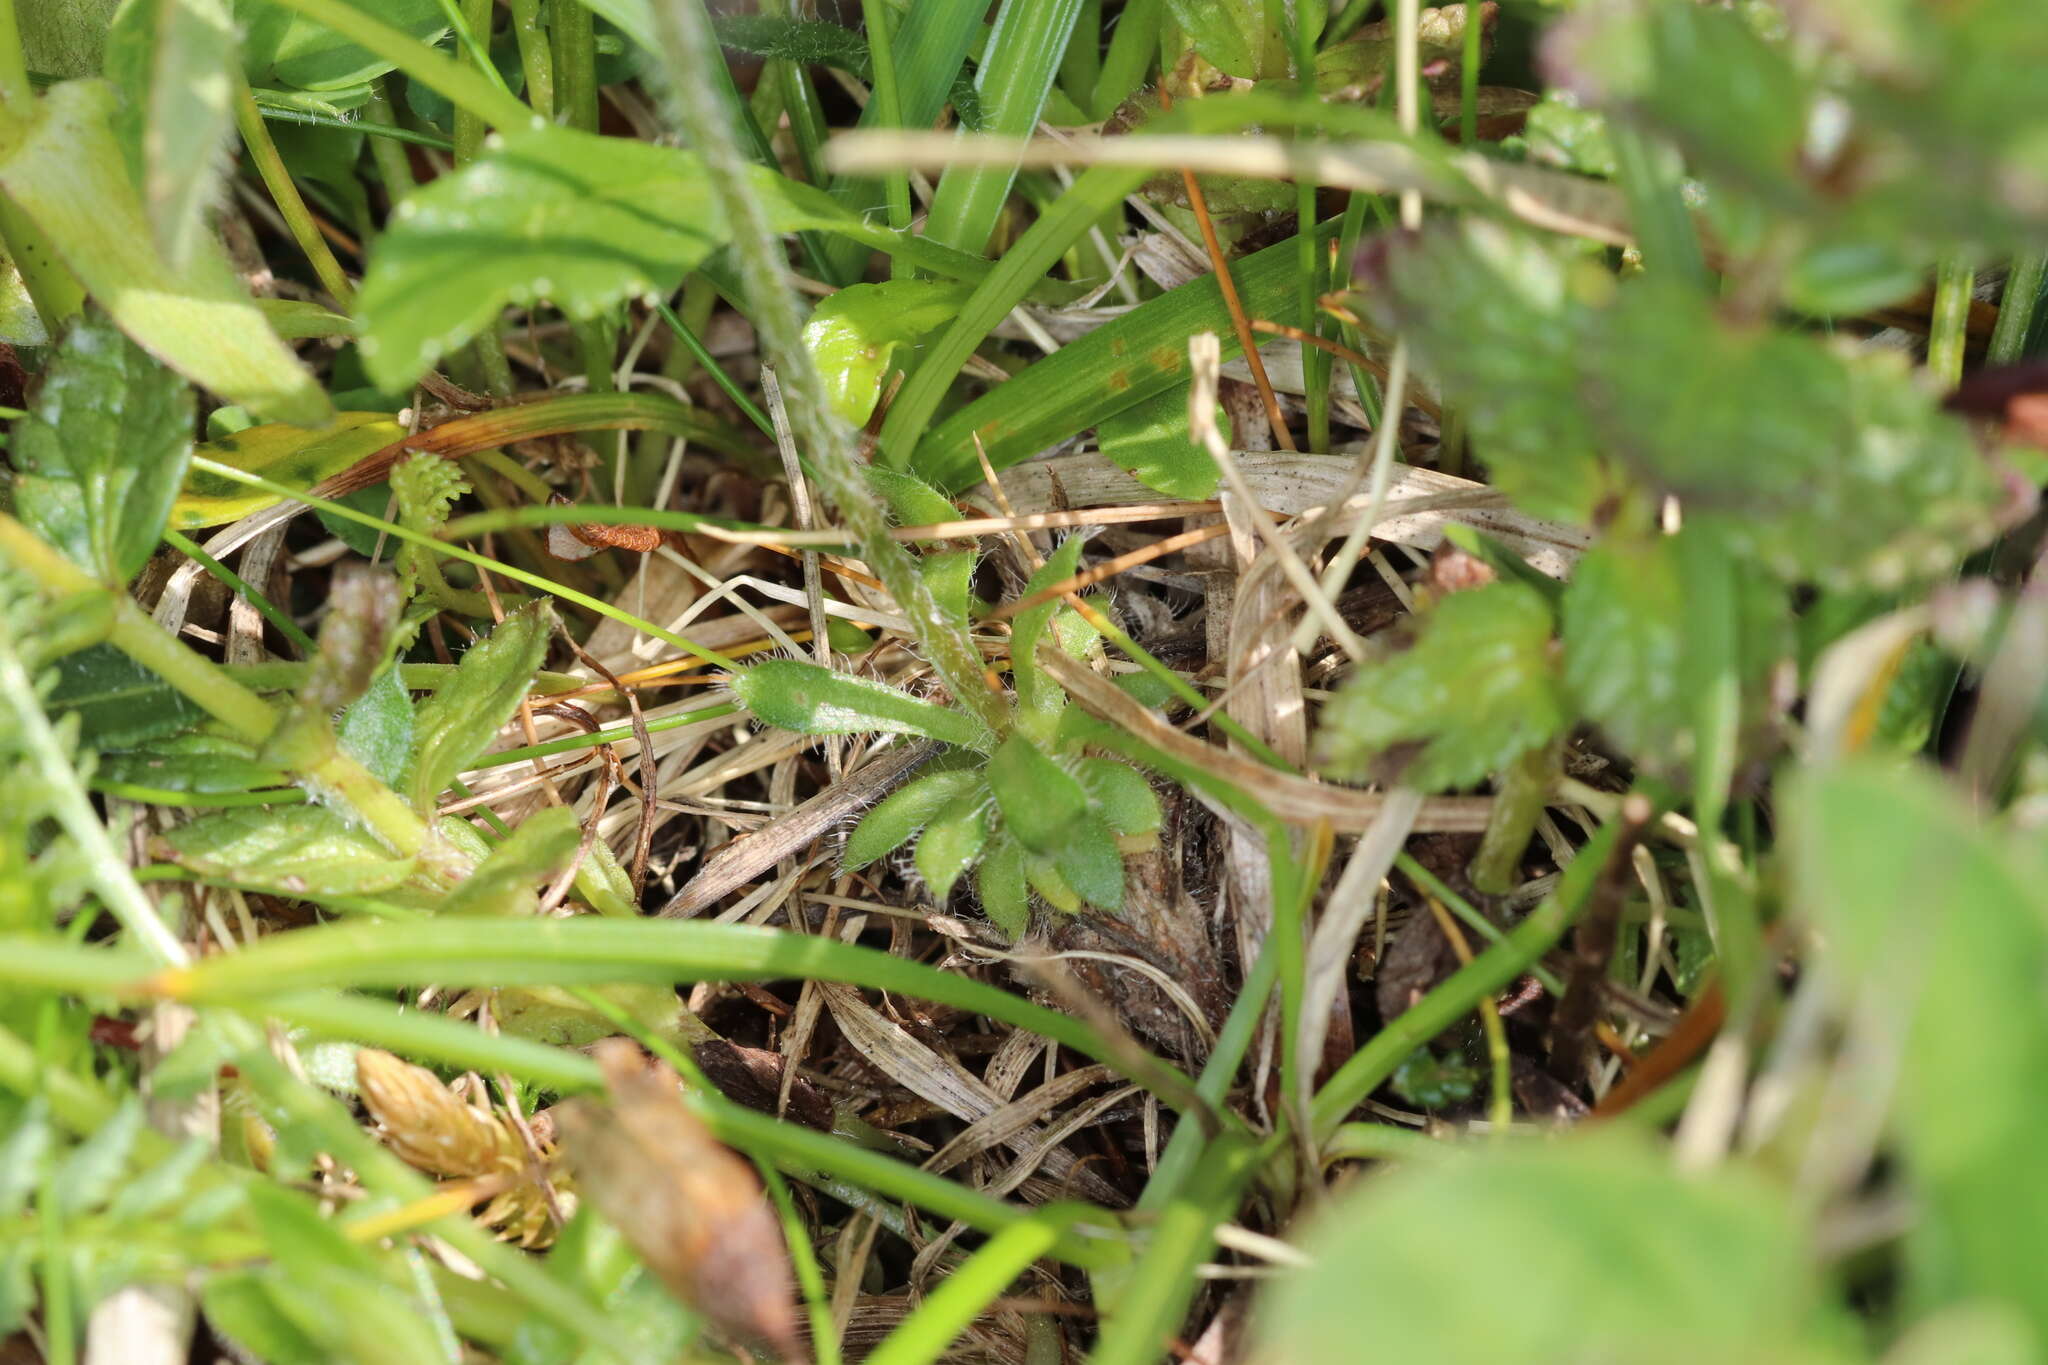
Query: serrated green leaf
[[1872, 845], [505, 883], [1582, 396], [903, 813], [1476, 690], [1121, 795], [307, 850], [118, 701], [296, 456], [454, 725], [1040, 801], [999, 881], [1639, 1262], [1152, 440], [103, 450], [192, 763], [1631, 660], [951, 843], [853, 336], [1039, 699], [67, 173], [87, 1176], [376, 728], [1090, 862], [813, 700]]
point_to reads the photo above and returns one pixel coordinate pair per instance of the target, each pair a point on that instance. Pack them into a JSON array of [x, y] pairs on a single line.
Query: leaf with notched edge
[[691, 1209]]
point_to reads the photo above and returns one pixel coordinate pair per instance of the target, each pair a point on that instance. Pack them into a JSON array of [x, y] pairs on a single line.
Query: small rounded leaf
[[1000, 881], [1121, 795], [902, 814], [1090, 862], [952, 842]]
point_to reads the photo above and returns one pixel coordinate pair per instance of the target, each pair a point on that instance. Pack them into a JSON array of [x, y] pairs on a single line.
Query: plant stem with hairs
[[690, 49]]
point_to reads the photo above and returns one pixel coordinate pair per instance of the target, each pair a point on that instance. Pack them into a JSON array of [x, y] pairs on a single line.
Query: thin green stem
[[1948, 330], [887, 106], [536, 56], [290, 204], [2016, 309], [463, 17], [17, 93], [967, 1291], [691, 52], [575, 44], [711, 366], [1518, 804], [369, 125], [620, 734], [394, 167], [1469, 915]]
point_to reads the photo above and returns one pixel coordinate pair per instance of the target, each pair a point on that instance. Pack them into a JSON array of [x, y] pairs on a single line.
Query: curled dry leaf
[[694, 1211]]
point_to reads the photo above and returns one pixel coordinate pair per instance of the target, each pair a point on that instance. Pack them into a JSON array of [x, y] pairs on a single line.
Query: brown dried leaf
[[692, 1209]]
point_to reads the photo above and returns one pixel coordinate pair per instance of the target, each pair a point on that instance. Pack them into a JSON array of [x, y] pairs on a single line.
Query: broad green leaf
[[903, 813], [307, 850], [102, 453], [553, 215], [68, 175], [1586, 397], [192, 763], [579, 221], [1039, 699], [283, 48], [853, 336], [299, 457], [376, 728], [118, 702], [999, 881], [819, 701], [65, 38], [951, 843], [1931, 910], [1090, 862], [172, 59], [1121, 795], [1631, 658], [457, 722], [1041, 802], [505, 883], [1151, 439], [1590, 1248], [1477, 689]]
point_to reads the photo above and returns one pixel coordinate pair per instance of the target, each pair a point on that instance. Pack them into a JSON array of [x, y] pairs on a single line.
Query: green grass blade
[[1139, 355], [1131, 49], [1023, 57], [966, 1292]]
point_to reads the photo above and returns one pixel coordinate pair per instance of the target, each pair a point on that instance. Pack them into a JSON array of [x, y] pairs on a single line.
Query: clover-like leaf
[[815, 700], [1476, 690]]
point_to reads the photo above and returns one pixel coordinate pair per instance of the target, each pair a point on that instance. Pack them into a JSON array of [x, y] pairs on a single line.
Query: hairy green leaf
[[1039, 699], [853, 336], [103, 451], [1125, 800], [1637, 1262], [813, 700], [308, 850], [68, 175], [457, 722], [1040, 801], [999, 881], [905, 811], [376, 728], [1090, 862], [505, 883], [951, 843], [1477, 689]]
